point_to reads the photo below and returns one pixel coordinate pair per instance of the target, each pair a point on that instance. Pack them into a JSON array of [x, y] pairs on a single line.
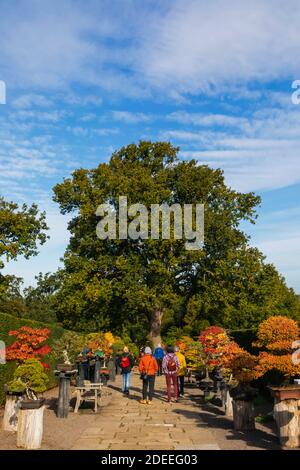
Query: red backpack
[[171, 364], [125, 362]]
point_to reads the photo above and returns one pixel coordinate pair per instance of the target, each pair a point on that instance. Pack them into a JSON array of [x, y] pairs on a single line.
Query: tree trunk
[[30, 428], [243, 415], [287, 417], [155, 327], [10, 418]]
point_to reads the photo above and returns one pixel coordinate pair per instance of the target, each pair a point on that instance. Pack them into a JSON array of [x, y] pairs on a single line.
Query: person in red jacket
[[126, 363], [148, 369]]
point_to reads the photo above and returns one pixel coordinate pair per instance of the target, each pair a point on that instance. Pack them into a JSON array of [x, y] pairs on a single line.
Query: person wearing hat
[[148, 369]]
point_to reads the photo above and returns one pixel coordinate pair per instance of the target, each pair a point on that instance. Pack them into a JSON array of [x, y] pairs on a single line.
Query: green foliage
[[35, 303], [41, 301], [29, 378], [70, 343], [21, 229], [118, 346], [11, 298]]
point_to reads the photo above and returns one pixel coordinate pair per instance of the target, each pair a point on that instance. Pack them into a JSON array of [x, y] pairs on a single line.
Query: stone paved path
[[124, 423]]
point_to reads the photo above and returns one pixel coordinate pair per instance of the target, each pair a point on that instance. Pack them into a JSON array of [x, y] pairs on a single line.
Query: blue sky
[[85, 77]]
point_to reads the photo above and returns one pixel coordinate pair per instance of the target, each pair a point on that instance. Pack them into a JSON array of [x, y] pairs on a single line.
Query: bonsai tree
[[101, 342], [244, 369], [30, 379], [68, 347], [213, 340], [230, 352], [29, 344], [276, 337], [193, 352]]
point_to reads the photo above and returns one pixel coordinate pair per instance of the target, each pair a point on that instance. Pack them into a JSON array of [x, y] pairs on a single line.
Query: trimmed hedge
[[9, 322]]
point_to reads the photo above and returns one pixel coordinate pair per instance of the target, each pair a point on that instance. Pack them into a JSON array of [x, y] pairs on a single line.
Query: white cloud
[[203, 46], [105, 131], [207, 120], [131, 117], [32, 99], [178, 48]]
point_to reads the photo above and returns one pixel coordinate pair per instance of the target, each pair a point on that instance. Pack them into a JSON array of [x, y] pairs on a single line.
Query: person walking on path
[[159, 355], [148, 368], [126, 363], [170, 368], [181, 371]]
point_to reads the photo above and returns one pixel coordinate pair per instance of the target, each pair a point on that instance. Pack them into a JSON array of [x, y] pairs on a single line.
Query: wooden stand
[[64, 393], [243, 415], [30, 428], [10, 418], [287, 417], [227, 402]]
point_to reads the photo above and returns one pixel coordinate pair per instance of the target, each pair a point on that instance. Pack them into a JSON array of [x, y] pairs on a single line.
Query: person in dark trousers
[[148, 369], [126, 363], [181, 371], [170, 368], [159, 355]]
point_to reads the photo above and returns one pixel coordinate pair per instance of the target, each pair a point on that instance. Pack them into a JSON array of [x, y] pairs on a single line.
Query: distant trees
[[22, 228]]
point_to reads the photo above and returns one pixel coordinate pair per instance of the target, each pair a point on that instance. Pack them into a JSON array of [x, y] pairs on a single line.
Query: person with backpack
[[126, 363], [148, 368], [159, 355], [170, 368], [181, 371]]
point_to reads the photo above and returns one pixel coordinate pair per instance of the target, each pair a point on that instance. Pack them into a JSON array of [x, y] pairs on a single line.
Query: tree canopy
[[139, 286], [22, 228]]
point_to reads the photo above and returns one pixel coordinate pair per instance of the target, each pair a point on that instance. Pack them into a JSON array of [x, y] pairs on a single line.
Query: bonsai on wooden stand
[[276, 336], [30, 380], [230, 351], [66, 349], [244, 369], [29, 343]]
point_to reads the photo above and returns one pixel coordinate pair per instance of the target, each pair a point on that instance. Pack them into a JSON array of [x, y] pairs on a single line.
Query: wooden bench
[[83, 393]]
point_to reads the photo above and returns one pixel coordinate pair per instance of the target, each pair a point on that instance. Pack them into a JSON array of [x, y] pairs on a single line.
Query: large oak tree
[[140, 285]]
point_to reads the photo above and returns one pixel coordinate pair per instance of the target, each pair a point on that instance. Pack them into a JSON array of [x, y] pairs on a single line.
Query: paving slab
[[126, 424]]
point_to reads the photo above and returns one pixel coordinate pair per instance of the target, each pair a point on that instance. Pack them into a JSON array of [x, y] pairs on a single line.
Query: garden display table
[[88, 391]]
